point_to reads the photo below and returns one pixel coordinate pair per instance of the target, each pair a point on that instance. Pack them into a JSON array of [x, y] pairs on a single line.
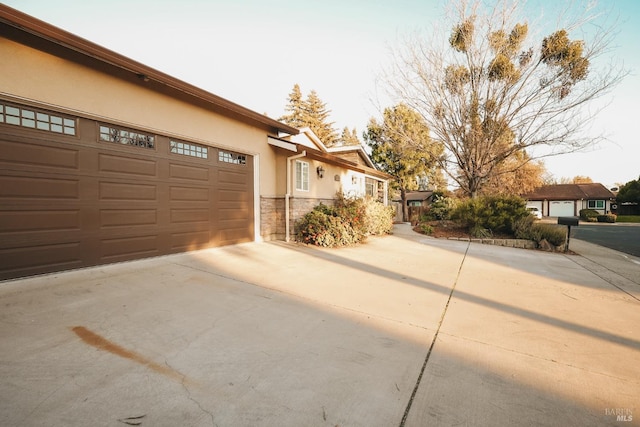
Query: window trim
[[302, 181], [231, 158], [595, 204], [37, 119], [125, 133], [188, 149]]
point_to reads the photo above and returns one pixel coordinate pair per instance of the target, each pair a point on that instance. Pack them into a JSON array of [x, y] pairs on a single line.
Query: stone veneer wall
[[272, 215]]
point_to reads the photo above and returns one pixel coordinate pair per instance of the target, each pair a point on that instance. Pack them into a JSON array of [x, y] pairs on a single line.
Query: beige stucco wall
[[30, 75]]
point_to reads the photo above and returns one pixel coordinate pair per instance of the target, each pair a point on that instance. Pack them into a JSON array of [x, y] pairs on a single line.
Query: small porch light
[[320, 171]]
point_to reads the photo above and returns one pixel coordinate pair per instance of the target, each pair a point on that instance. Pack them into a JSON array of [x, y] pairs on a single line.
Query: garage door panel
[[39, 220], [189, 215], [233, 214], [236, 235], [187, 172], [39, 188], [128, 217], [119, 164], [190, 240], [128, 247], [561, 208], [20, 153], [179, 193], [232, 177], [126, 191], [36, 259]]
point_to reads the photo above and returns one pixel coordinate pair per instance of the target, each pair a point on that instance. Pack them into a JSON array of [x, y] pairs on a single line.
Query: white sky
[[252, 52]]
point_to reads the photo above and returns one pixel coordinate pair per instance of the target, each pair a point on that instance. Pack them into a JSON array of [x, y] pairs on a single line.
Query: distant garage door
[[77, 193], [561, 208]]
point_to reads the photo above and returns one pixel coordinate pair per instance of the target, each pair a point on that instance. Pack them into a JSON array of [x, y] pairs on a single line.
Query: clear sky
[[252, 52]]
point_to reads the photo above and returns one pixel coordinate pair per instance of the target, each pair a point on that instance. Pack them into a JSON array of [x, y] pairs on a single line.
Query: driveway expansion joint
[[435, 338]]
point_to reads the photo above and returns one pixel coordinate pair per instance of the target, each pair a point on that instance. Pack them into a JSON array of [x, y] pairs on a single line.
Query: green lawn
[[628, 218]]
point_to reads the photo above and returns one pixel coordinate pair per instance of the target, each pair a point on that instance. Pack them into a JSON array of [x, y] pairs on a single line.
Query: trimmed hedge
[[606, 218], [589, 215], [527, 228]]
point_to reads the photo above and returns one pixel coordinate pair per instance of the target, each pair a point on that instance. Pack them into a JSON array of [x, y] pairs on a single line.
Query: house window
[[236, 159], [126, 137], [34, 119], [371, 187], [595, 204], [302, 175], [193, 150]]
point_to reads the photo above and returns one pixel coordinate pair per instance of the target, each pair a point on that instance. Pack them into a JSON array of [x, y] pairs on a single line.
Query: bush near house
[[589, 215], [350, 221]]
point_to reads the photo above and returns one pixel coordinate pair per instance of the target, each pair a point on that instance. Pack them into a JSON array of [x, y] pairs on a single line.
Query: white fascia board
[[282, 144]]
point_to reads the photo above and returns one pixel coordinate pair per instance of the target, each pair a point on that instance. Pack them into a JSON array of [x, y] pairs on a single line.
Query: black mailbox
[[567, 220]]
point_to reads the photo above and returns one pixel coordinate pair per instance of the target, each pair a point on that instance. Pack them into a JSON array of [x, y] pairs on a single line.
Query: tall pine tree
[[349, 137], [296, 110], [311, 112]]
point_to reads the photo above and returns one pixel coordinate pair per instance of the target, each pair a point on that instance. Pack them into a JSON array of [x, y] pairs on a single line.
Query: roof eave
[[67, 40]]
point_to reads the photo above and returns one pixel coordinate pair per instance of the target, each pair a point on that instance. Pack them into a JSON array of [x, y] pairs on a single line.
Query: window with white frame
[[302, 175], [595, 204], [371, 187]]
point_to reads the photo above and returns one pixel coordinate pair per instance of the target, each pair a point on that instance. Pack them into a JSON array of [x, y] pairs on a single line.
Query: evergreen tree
[[317, 116], [401, 147], [296, 109], [349, 137], [312, 113]]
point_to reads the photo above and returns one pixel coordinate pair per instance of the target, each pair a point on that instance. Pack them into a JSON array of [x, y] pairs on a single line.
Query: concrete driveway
[[403, 331]]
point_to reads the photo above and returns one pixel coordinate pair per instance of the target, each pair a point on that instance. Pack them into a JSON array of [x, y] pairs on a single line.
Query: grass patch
[[628, 218]]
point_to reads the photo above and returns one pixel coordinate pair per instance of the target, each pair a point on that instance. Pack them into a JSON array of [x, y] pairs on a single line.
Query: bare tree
[[498, 97]]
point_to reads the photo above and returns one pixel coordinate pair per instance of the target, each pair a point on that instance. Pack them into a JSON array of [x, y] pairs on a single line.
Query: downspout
[[288, 195]]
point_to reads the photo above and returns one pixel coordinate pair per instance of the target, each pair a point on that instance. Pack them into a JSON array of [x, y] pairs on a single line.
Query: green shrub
[[378, 218], [350, 221], [589, 215], [527, 228], [554, 234], [442, 207], [322, 227], [606, 218], [426, 228], [494, 213]]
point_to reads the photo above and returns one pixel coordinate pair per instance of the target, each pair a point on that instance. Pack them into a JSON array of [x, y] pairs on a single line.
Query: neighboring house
[[570, 199], [104, 159], [417, 202]]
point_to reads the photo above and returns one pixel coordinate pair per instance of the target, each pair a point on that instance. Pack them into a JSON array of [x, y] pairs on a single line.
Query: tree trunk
[[405, 208]]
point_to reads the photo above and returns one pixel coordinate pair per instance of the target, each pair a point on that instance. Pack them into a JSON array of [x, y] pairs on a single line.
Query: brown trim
[[16, 22], [334, 160]]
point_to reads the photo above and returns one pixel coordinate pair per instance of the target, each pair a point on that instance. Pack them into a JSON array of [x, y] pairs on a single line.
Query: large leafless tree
[[498, 96]]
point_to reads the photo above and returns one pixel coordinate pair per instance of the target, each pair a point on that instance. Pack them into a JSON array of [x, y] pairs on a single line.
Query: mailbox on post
[[568, 221]]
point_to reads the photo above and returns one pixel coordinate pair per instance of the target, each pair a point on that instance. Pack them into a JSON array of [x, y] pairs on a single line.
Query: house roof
[[40, 35], [416, 196], [355, 149], [570, 192], [321, 153]]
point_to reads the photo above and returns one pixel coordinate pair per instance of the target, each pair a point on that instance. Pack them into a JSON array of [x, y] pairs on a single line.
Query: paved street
[[620, 237], [403, 331]]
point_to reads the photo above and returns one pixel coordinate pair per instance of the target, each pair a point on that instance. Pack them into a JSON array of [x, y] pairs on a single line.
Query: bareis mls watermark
[[621, 414]]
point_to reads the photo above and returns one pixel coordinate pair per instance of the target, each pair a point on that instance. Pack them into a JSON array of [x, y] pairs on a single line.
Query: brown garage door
[[76, 193]]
